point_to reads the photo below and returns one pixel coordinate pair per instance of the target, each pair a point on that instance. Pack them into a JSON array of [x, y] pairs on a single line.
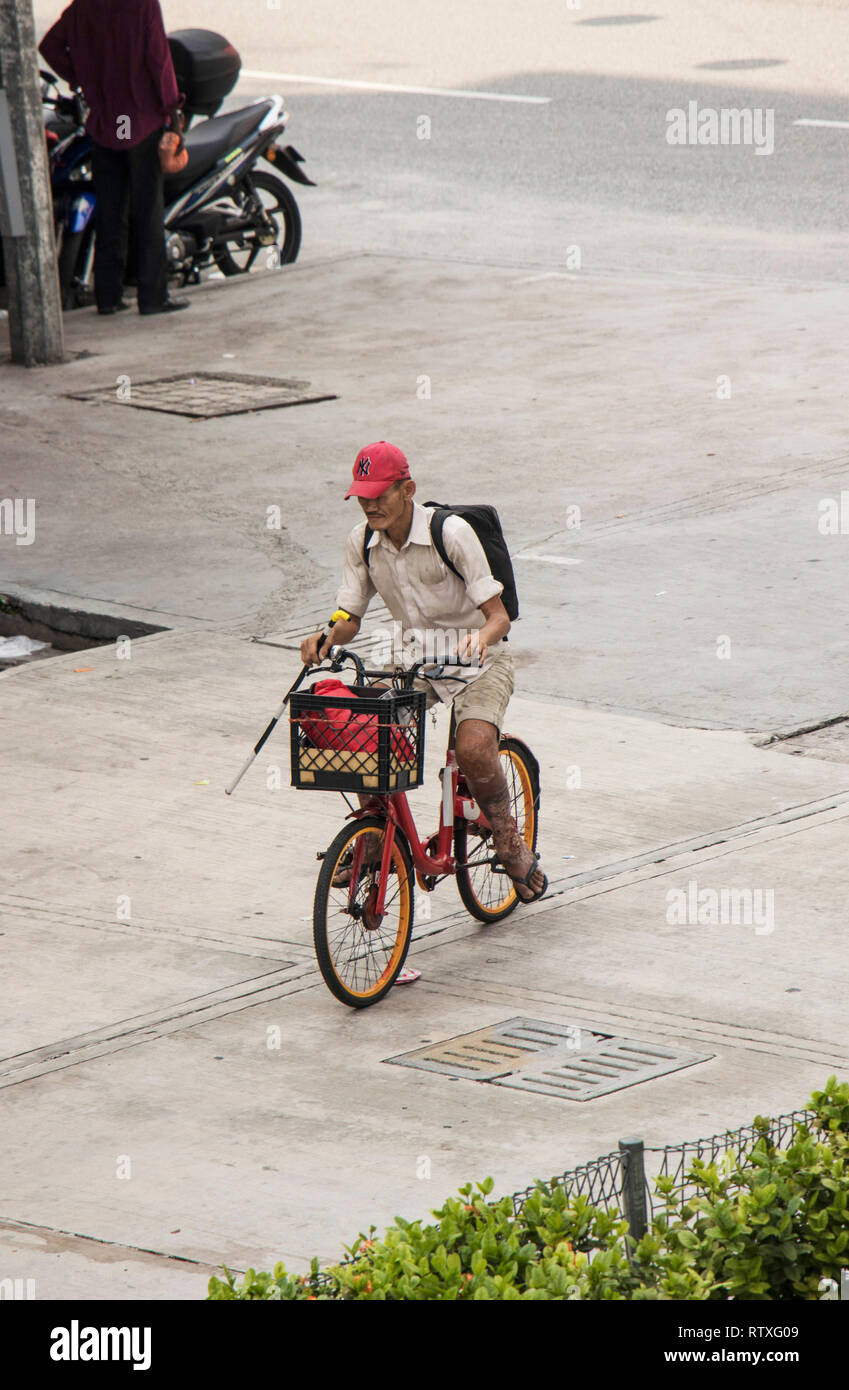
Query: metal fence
[[624, 1181]]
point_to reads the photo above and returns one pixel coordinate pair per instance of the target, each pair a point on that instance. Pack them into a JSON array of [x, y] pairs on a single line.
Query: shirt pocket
[[431, 572], [441, 600]]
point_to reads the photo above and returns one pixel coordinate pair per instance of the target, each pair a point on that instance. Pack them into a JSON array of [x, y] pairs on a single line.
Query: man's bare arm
[[496, 626], [343, 631]]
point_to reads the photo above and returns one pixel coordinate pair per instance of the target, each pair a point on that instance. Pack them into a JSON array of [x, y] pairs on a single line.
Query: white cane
[[339, 616]]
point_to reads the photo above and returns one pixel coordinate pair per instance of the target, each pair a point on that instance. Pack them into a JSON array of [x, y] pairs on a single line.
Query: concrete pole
[[26, 206]]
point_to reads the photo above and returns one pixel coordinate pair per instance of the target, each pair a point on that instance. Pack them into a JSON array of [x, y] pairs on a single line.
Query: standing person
[[426, 597], [117, 51]]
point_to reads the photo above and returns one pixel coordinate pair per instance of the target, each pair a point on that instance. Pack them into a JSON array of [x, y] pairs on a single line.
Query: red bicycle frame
[[457, 801]]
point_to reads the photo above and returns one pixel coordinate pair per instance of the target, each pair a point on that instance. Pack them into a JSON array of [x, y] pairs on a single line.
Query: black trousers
[[128, 184]]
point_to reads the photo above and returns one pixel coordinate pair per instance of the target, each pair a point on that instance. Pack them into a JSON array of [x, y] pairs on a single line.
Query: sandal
[[526, 881], [407, 976]]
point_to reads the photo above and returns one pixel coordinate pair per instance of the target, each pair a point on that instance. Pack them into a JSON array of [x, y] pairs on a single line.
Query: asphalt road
[[591, 167]]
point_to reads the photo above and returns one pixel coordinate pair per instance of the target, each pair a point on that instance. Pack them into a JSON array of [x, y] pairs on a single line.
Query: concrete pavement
[[585, 399], [155, 934]]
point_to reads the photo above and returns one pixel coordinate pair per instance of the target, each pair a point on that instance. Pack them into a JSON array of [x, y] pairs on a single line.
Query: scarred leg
[[477, 755]]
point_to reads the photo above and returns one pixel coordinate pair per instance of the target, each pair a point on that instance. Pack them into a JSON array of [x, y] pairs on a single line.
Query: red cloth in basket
[[343, 728]]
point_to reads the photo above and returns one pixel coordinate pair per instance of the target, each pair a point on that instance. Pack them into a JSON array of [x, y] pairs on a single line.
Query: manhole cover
[[202, 395], [569, 1061]]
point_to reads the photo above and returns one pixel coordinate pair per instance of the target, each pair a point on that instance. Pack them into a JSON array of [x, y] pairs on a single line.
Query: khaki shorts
[[485, 697]]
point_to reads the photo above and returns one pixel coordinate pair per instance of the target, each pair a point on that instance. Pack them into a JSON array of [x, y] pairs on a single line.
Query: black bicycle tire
[[332, 856], [469, 898]]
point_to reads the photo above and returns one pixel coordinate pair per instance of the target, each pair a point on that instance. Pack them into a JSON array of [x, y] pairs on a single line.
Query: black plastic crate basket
[[368, 742]]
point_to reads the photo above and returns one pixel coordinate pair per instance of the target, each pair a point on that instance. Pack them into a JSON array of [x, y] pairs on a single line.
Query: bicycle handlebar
[[433, 670]]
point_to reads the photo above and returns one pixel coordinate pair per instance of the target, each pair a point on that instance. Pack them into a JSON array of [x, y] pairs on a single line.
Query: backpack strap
[[437, 524]]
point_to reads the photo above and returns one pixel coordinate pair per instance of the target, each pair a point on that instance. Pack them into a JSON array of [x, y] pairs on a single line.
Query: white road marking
[[393, 87], [547, 275], [833, 125], [550, 559]]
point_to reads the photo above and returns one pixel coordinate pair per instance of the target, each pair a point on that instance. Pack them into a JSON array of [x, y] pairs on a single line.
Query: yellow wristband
[[340, 616]]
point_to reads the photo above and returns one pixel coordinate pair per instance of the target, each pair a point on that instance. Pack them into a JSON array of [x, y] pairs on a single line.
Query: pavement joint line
[[90, 1052], [147, 1027], [597, 881], [12, 1223], [32, 595], [659, 855], [718, 499], [598, 887], [697, 282], [140, 926], [139, 1023], [655, 716], [602, 1015], [782, 735], [377, 614], [701, 282], [675, 848]]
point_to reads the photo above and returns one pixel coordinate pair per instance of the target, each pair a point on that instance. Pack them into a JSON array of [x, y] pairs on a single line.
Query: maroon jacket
[[116, 50]]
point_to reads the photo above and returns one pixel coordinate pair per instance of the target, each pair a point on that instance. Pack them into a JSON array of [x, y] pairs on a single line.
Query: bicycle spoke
[[489, 894], [363, 947]]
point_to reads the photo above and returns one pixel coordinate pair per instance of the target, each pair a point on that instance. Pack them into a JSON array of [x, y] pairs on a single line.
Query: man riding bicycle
[[433, 604]]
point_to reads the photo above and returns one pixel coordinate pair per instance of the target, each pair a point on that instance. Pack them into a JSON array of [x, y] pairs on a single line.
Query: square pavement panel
[[202, 395], [567, 1061]]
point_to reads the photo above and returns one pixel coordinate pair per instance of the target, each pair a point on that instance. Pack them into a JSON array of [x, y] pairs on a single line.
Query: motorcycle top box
[[206, 67]]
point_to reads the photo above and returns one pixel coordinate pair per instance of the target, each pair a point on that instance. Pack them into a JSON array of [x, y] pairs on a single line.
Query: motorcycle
[[74, 199], [220, 210]]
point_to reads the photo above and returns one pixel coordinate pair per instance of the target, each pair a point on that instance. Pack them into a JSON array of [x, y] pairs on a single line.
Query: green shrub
[[768, 1226], [774, 1224]]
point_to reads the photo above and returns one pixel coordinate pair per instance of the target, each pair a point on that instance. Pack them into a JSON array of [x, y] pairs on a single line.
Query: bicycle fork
[[377, 908]]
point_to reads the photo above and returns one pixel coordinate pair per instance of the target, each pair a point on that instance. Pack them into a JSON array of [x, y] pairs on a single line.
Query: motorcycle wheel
[[242, 254], [72, 255]]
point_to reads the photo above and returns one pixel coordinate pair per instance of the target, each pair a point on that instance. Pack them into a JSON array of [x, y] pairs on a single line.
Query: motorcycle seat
[[210, 141]]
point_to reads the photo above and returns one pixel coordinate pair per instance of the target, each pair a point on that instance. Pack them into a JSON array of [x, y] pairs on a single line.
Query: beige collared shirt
[[431, 606]]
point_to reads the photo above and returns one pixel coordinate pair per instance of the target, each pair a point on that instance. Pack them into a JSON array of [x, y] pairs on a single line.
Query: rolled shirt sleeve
[[357, 589], [466, 552]]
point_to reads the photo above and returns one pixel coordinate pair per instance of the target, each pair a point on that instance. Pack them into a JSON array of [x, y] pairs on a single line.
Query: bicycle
[[364, 898]]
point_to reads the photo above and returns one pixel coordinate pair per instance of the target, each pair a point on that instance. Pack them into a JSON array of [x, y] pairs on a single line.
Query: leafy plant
[[773, 1224], [770, 1224]]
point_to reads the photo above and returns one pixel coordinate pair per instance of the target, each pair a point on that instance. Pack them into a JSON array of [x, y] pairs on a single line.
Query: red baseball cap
[[375, 468]]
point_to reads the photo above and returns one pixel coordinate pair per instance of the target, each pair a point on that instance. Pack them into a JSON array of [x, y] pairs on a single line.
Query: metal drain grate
[[202, 395], [568, 1061], [502, 1049], [609, 1066]]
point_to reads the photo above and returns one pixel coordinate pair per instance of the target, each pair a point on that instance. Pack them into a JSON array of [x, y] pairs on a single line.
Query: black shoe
[[114, 308], [168, 307]]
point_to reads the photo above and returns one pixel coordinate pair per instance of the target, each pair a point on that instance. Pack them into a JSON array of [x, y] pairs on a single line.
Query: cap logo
[[363, 467]]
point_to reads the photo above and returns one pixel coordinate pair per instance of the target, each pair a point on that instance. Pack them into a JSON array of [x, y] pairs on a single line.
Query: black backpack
[[486, 525]]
